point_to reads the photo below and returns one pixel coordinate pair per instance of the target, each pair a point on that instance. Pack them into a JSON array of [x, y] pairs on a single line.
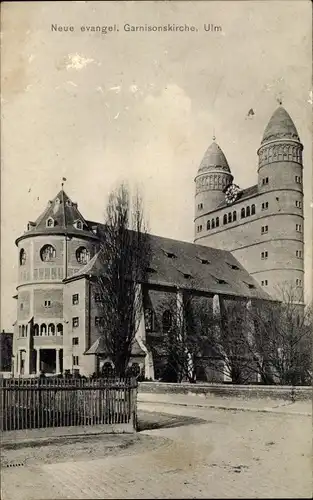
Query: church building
[[247, 243]]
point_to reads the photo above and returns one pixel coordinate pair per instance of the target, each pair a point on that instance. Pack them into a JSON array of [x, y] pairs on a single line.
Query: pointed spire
[[280, 126]]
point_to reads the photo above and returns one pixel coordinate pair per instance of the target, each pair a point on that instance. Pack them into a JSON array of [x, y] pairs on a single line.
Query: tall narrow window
[[217, 222], [229, 218], [208, 225], [75, 322], [234, 215], [166, 321], [225, 219], [243, 213], [248, 212], [75, 299], [253, 209], [213, 224]]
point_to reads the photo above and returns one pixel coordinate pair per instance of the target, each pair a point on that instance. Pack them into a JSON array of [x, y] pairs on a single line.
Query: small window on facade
[[75, 322], [50, 222], [75, 299], [75, 361], [47, 303], [229, 217], [266, 180], [47, 253], [298, 228], [265, 205], [166, 321], [213, 224], [82, 255], [98, 321], [208, 225], [264, 282], [75, 341], [148, 320], [264, 229], [299, 254], [22, 257], [234, 215], [298, 204], [298, 282], [21, 306], [79, 224], [298, 179], [248, 212], [243, 213], [253, 209], [199, 228], [217, 222], [264, 255], [200, 206], [225, 219]]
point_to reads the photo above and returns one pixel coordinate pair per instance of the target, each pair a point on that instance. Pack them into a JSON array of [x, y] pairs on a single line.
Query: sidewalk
[[303, 408]]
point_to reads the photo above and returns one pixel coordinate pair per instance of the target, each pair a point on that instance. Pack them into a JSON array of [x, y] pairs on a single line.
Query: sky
[[142, 107]]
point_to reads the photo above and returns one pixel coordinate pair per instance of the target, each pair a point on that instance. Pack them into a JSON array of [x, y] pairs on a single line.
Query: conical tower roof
[[214, 159], [60, 217], [280, 126]]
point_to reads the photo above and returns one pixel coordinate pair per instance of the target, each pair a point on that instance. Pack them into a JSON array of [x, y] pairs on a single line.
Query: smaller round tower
[[211, 180]]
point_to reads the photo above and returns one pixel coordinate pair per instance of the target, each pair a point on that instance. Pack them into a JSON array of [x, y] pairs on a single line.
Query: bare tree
[[282, 339], [125, 255]]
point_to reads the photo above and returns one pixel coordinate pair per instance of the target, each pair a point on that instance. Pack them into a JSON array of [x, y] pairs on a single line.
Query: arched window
[[23, 331], [217, 222], [213, 224], [22, 257], [47, 253], [78, 224], [36, 330], [166, 321], [234, 215], [82, 255], [225, 219], [252, 209], [59, 329], [208, 225], [50, 222], [51, 329], [20, 331], [248, 212], [149, 320], [229, 217], [243, 213], [43, 329]]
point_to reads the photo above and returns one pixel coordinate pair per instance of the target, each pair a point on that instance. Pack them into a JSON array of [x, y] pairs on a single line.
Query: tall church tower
[[262, 225], [280, 182]]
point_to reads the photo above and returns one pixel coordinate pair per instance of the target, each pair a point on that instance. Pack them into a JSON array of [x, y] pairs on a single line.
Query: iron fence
[[42, 403]]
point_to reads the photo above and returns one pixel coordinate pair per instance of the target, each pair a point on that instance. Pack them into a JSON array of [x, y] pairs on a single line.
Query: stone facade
[[263, 227]]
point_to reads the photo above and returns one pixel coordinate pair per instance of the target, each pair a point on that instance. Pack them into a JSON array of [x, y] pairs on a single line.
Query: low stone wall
[[229, 391]]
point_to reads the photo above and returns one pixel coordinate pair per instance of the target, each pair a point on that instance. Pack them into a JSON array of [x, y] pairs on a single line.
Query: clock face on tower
[[231, 193]]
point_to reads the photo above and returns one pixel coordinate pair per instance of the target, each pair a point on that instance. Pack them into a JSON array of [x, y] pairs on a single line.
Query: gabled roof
[[190, 266], [99, 348], [64, 213]]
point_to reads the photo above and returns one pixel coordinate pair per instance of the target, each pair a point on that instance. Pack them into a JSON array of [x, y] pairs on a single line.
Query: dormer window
[[57, 201], [78, 224], [170, 255], [82, 255], [249, 285], [204, 261], [69, 203], [187, 275], [50, 222], [233, 266]]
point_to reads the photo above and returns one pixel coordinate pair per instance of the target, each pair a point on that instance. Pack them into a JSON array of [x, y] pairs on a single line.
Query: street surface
[[185, 451]]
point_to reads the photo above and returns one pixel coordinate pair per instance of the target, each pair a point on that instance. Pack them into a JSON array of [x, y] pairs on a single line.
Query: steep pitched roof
[[214, 158], [191, 266], [60, 216], [280, 126]]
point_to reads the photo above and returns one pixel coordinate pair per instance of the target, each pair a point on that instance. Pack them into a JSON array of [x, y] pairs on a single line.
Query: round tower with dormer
[[280, 184], [213, 177], [53, 248]]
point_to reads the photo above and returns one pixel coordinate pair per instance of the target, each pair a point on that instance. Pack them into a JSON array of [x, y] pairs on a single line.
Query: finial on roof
[[214, 136], [63, 180], [279, 99]]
